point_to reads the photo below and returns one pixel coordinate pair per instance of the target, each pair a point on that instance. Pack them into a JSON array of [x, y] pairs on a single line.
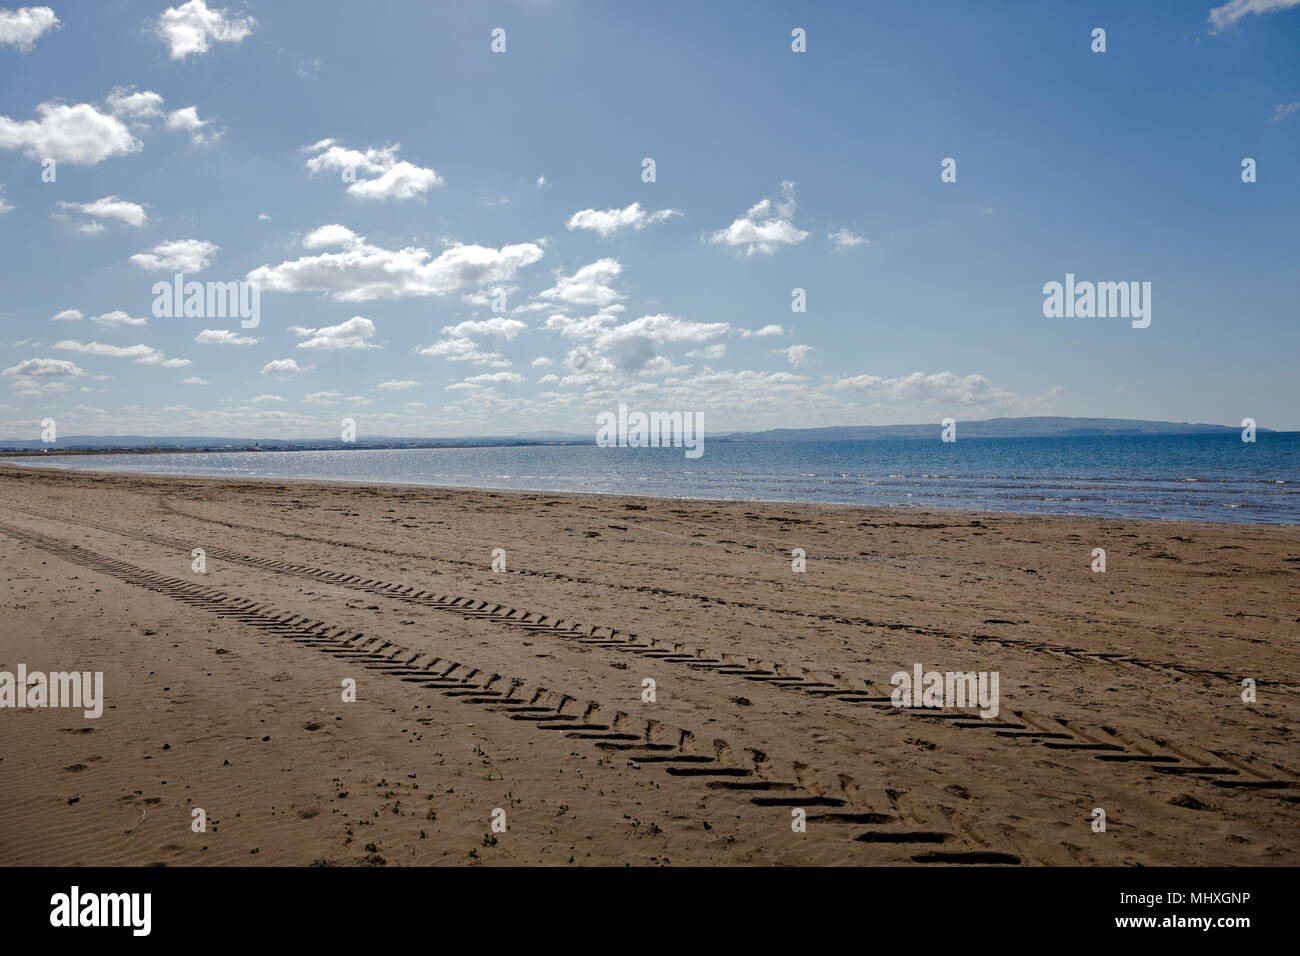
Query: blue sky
[[215, 140]]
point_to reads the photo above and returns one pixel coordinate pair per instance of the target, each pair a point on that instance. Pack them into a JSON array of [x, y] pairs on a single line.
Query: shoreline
[[903, 508]]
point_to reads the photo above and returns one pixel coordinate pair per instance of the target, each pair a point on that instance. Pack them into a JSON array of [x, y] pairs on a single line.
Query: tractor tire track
[[649, 742]]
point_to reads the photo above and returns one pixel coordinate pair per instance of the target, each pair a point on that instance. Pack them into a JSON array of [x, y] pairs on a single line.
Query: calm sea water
[[1208, 478]]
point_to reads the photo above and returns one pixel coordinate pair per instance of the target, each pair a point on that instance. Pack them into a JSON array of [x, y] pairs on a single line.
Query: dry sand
[[521, 690]]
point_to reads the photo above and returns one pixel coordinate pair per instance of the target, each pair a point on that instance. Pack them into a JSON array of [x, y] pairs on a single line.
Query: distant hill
[[1037, 427]]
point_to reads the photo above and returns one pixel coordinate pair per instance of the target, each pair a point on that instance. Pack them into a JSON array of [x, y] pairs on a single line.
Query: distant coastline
[[1029, 427]]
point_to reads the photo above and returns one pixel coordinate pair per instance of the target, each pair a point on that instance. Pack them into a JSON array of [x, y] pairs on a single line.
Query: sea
[[1184, 477]]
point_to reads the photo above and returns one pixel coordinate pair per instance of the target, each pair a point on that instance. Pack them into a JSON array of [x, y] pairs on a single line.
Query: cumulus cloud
[[191, 27], [187, 119], [21, 28], [78, 135], [45, 368], [766, 227], [797, 355], [1227, 15], [488, 378], [763, 332], [390, 178], [465, 350], [110, 207], [223, 337], [140, 354], [399, 384], [282, 367], [607, 222], [67, 315], [845, 239], [634, 345], [133, 104], [498, 326], [588, 286], [541, 362], [177, 255], [194, 380], [363, 271], [352, 334], [117, 318]]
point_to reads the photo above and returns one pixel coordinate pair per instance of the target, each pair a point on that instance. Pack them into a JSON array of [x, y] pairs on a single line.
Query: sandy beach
[[523, 689]]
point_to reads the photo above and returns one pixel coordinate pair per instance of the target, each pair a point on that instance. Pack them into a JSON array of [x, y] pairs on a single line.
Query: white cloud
[[465, 350], [1228, 14], [267, 398], [1283, 110], [110, 207], [489, 378], [352, 334], [45, 368], [633, 346], [588, 286], [541, 362], [844, 239], [498, 326], [126, 101], [363, 271], [548, 379], [763, 332], [708, 352], [399, 384], [765, 227], [282, 367], [263, 217], [189, 28], [223, 337], [541, 181], [187, 119], [140, 354], [391, 178], [21, 28], [323, 237], [67, 315], [194, 380], [606, 222], [485, 298], [797, 355], [939, 387], [117, 318], [322, 398], [78, 135], [5, 206], [177, 255]]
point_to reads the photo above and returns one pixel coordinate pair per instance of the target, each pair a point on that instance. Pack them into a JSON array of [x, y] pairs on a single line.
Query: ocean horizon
[[1175, 477]]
